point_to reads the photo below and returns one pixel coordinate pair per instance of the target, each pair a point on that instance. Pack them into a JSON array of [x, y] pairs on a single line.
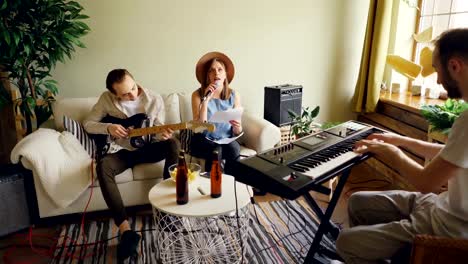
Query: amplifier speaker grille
[[278, 100]]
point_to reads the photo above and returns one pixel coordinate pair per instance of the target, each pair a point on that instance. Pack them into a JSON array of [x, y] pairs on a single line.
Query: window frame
[[418, 46]]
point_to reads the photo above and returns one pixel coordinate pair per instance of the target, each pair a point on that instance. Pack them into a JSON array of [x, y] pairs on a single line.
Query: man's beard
[[453, 89]]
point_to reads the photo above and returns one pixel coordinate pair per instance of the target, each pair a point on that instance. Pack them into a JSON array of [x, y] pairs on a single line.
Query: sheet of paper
[[226, 140], [225, 116]]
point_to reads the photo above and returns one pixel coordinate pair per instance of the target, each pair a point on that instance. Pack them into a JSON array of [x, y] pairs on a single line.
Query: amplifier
[[14, 210], [278, 100]]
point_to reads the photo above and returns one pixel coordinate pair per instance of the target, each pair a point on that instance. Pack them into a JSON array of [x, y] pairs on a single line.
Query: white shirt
[[454, 202], [132, 107]]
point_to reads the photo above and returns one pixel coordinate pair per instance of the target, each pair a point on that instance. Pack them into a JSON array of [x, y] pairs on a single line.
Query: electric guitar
[[138, 129]]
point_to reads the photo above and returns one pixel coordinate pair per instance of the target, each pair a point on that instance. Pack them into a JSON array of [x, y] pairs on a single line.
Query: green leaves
[[442, 117], [328, 125], [303, 124], [4, 5], [47, 85], [34, 36], [31, 30]]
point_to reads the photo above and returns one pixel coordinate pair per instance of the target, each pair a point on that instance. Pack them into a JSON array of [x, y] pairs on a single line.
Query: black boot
[[128, 245]]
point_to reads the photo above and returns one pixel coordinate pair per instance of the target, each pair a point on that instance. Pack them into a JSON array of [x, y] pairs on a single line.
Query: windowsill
[[407, 101]]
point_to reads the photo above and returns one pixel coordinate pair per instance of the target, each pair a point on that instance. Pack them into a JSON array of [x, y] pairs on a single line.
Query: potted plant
[[303, 124], [34, 36], [442, 117]]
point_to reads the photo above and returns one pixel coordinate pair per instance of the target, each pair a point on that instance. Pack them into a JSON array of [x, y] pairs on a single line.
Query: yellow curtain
[[366, 94]]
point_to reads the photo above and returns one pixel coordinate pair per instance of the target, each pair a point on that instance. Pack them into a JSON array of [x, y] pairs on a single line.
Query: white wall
[[315, 43]]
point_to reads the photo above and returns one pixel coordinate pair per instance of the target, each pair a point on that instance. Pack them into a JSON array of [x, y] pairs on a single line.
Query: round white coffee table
[[205, 230]]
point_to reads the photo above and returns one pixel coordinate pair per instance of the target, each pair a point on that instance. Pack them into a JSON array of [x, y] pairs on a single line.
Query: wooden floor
[[363, 177]]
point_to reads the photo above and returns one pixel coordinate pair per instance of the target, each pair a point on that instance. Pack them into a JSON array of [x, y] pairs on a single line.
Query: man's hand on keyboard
[[384, 151], [390, 138]]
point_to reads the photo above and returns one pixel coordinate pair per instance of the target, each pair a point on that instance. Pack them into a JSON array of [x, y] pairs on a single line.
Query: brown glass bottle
[[182, 180], [216, 176]]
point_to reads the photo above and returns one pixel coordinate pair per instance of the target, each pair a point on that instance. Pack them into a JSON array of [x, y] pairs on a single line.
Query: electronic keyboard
[[295, 168]]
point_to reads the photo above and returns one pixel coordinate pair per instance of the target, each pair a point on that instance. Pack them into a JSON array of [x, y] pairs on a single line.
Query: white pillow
[[185, 101], [171, 107]]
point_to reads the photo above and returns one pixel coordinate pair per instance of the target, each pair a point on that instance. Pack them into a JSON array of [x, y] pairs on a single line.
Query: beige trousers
[[382, 223]]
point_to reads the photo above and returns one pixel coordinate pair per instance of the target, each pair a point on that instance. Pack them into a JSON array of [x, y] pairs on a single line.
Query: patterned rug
[[283, 233]]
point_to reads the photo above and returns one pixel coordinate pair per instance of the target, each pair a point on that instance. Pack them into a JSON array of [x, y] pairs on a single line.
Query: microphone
[[217, 84], [206, 96]]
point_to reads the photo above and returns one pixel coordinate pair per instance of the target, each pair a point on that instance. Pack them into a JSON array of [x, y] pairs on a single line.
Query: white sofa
[[135, 184]]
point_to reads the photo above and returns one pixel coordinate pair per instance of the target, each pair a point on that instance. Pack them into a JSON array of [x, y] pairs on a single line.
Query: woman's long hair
[[226, 92]]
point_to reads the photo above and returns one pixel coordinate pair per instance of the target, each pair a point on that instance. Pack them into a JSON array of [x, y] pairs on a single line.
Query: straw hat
[[200, 69]]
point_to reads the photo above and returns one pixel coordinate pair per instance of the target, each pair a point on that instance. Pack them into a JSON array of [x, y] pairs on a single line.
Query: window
[[441, 15]]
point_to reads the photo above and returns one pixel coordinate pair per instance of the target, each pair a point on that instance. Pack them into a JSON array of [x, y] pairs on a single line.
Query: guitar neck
[[155, 129]]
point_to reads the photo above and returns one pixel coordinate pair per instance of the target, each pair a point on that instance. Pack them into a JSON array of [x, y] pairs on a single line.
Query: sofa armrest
[[259, 134]]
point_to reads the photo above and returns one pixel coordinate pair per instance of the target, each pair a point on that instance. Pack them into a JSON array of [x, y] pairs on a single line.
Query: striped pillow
[[78, 131], [185, 139]]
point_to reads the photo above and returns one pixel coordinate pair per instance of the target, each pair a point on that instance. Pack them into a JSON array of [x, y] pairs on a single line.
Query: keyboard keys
[[325, 160]]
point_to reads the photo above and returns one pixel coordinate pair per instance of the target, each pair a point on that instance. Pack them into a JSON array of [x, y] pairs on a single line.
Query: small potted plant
[[442, 117], [303, 124]]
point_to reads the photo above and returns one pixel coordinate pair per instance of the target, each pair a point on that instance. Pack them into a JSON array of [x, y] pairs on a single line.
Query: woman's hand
[[209, 91], [117, 131], [236, 126]]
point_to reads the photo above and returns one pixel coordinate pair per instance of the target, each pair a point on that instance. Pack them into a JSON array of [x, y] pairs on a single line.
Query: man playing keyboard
[[384, 222]]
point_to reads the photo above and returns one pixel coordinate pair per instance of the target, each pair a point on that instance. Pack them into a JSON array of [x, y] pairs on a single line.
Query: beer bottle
[[216, 176], [182, 180]]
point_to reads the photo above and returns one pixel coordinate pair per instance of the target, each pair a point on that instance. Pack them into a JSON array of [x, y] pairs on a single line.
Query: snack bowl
[[193, 171]]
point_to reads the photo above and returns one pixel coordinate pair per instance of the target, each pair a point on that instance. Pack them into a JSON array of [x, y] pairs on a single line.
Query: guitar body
[[135, 121]]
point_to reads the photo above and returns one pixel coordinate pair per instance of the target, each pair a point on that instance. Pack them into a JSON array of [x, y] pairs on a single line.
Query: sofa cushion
[[75, 108], [185, 102], [171, 107], [148, 170], [246, 152]]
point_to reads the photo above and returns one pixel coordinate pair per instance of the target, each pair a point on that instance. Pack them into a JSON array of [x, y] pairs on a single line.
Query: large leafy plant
[[34, 36], [303, 124], [442, 117]]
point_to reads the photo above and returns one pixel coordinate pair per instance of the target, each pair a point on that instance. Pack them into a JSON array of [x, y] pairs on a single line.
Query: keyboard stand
[[326, 226]]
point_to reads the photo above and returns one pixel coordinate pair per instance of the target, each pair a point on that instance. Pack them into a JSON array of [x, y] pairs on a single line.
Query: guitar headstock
[[198, 127]]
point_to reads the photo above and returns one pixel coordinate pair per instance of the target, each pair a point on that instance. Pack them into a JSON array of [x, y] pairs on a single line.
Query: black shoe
[[128, 245]]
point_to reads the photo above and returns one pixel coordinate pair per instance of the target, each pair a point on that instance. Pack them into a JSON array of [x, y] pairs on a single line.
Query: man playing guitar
[[125, 98]]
